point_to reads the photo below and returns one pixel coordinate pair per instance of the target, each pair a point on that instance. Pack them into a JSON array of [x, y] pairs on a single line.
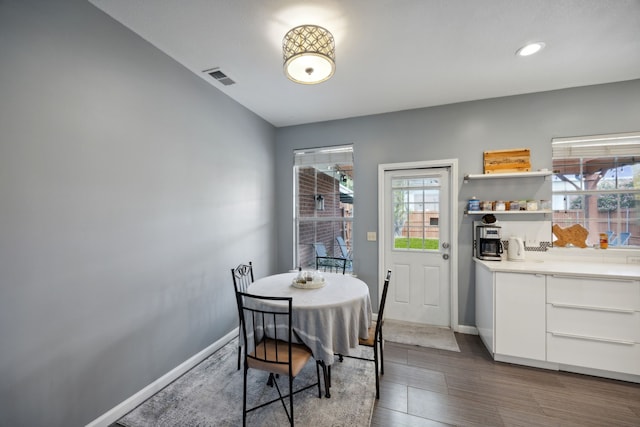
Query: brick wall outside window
[[311, 227]]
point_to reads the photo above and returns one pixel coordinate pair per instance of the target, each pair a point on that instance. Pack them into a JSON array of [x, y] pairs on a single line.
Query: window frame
[[332, 213], [587, 165]]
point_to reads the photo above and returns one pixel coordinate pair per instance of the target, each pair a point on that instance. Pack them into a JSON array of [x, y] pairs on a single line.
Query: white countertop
[[573, 268]]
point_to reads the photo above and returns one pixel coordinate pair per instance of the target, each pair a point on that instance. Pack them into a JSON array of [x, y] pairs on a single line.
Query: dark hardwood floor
[[429, 387]]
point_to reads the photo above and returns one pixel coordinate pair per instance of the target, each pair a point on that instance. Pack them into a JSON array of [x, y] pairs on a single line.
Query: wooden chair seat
[[369, 342], [273, 356]]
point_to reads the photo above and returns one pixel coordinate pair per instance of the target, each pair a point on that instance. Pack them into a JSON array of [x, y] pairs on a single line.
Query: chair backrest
[[331, 264], [242, 277], [266, 317], [624, 238], [383, 301], [343, 247], [321, 250]]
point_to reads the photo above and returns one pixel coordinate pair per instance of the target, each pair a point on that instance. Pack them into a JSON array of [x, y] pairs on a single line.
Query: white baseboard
[[464, 329], [117, 412]]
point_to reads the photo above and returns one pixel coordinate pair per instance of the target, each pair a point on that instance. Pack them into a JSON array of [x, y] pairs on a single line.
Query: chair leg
[[291, 398], [325, 374], [319, 382], [375, 362], [381, 355], [244, 399], [239, 345]]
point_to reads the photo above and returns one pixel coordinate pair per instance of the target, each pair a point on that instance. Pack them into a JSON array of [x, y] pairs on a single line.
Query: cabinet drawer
[[582, 291], [608, 356], [603, 323]]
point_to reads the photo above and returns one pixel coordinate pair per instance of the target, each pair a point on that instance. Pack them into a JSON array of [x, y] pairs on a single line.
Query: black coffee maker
[[488, 242]]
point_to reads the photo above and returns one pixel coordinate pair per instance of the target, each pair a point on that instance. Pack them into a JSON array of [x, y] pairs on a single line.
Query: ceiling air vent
[[220, 76]]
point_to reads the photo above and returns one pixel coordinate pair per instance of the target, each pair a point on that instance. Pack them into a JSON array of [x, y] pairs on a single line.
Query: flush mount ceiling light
[[530, 49], [309, 53]]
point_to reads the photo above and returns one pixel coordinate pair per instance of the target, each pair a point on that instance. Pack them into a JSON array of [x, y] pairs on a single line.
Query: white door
[[416, 242]]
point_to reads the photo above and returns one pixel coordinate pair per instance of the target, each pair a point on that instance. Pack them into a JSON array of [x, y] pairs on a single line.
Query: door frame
[[452, 164]]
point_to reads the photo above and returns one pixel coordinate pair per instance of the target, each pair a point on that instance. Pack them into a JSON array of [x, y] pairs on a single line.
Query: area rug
[[210, 394], [420, 335]]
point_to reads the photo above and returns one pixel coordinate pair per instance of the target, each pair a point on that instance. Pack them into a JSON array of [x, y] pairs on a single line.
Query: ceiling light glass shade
[[530, 49], [309, 53]]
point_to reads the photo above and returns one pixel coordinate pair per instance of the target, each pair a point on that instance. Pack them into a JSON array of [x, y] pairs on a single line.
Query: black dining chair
[[331, 264], [267, 332], [345, 251], [242, 277], [376, 340]]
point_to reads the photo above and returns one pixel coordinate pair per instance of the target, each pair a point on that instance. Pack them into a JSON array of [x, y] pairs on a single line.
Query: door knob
[[445, 256], [445, 245]]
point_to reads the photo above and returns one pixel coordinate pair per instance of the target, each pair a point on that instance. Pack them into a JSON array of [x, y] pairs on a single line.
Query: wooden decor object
[[575, 235], [505, 161]]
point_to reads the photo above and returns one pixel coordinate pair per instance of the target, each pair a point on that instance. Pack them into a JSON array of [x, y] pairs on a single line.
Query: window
[[596, 183], [323, 203], [416, 210]]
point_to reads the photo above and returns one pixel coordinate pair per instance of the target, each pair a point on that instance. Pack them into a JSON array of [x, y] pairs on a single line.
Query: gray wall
[[128, 189], [461, 131]]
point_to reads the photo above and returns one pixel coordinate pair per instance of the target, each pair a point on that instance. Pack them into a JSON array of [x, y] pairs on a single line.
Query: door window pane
[[416, 207]]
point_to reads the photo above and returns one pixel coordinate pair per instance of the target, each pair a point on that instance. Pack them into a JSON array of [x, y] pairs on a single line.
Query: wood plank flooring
[[430, 387]]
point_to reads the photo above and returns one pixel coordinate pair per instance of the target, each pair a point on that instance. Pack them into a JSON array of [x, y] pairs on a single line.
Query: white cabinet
[[510, 313], [594, 323], [484, 306], [568, 321], [520, 315]]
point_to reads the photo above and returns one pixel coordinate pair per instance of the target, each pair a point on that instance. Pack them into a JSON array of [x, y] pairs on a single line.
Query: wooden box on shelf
[[505, 161]]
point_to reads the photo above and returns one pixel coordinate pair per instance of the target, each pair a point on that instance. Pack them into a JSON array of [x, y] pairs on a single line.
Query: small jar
[[532, 205], [474, 204], [523, 205], [514, 205], [499, 206], [604, 241], [545, 205], [486, 205]]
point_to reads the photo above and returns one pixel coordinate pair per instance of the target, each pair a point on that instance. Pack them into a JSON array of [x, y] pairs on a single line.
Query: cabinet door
[[520, 315], [484, 306]]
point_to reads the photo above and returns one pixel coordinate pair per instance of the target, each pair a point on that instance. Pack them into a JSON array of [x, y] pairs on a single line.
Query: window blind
[[337, 155], [612, 145]]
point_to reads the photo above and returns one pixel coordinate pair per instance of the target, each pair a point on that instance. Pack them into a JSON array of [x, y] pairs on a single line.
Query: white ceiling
[[392, 55]]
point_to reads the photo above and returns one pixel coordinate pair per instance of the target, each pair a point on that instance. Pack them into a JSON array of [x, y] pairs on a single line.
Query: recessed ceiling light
[[530, 49]]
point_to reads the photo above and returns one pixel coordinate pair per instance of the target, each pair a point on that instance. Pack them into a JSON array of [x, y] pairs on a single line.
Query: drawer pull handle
[[583, 337], [588, 307], [608, 279]]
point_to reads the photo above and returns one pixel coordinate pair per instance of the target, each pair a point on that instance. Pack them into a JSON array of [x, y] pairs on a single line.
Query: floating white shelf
[[542, 211], [471, 176]]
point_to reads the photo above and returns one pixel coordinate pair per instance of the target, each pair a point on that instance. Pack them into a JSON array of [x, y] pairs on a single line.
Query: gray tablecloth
[[328, 320]]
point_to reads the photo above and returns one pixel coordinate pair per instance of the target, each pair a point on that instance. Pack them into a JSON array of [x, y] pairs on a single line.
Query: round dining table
[[330, 319]]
